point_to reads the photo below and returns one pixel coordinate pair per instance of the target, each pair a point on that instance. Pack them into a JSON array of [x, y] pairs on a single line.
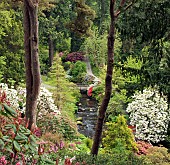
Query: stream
[[87, 113], [88, 106]]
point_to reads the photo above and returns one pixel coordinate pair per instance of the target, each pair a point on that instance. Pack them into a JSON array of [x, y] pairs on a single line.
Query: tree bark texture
[[32, 65], [108, 83]]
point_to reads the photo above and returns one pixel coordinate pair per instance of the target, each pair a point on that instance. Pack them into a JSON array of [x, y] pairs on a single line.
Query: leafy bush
[[108, 159], [78, 71], [17, 100], [150, 114], [118, 137], [75, 56], [158, 155], [17, 143], [57, 126]]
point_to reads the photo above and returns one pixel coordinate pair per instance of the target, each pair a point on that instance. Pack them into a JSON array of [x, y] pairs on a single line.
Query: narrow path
[[96, 80]]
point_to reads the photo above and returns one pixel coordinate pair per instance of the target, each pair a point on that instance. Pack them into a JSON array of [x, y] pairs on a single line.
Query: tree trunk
[[51, 50], [31, 60], [108, 83]]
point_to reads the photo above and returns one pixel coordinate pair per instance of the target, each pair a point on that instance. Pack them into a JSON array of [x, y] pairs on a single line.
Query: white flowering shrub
[[45, 103], [17, 100], [11, 95], [149, 113]]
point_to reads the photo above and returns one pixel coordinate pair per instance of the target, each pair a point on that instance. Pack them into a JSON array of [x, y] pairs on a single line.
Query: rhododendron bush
[[149, 113], [17, 100]]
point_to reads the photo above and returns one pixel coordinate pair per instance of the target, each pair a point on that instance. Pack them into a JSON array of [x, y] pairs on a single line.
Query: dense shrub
[[17, 100], [158, 155], [107, 159], [17, 143], [58, 126], [150, 114], [75, 56], [78, 71], [118, 137]]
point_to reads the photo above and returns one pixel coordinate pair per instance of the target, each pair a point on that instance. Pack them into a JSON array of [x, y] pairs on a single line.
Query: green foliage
[[95, 48], [145, 28], [77, 71], [117, 104], [107, 159], [119, 98], [158, 155], [85, 144], [11, 45], [62, 43], [81, 25], [44, 58], [17, 142], [2, 64], [118, 137], [66, 93], [101, 20], [145, 21], [59, 127]]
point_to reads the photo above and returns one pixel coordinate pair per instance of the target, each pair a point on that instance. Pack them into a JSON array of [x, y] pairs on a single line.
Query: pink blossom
[[61, 145], [18, 163], [3, 161], [77, 163]]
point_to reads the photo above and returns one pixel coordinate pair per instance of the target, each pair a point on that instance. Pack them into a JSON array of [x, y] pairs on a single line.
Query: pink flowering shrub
[[143, 147]]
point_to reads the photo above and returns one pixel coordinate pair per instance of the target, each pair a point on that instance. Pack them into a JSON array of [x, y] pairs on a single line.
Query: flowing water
[[87, 110]]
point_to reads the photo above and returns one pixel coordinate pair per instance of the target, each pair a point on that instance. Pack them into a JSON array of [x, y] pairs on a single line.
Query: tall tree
[[31, 59], [108, 80], [147, 36], [81, 25]]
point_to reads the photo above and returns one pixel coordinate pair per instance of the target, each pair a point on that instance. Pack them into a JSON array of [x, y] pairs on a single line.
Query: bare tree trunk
[[108, 83], [51, 50], [31, 59]]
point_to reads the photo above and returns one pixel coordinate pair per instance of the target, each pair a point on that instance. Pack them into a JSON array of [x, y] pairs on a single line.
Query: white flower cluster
[[11, 95], [17, 99], [149, 113], [46, 103]]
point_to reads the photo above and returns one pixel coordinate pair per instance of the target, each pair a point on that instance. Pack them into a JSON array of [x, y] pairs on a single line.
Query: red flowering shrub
[[75, 56], [143, 147], [17, 143]]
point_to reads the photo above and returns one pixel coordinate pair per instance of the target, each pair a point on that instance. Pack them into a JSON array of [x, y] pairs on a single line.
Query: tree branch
[[119, 11]]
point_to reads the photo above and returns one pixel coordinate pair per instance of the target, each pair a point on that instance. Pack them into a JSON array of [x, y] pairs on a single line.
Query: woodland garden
[[46, 48]]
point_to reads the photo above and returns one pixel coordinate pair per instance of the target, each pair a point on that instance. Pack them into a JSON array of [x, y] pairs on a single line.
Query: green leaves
[[9, 110], [118, 135], [16, 146], [2, 144], [11, 44]]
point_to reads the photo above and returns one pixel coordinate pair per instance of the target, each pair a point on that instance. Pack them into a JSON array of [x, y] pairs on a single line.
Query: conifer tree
[[65, 91]]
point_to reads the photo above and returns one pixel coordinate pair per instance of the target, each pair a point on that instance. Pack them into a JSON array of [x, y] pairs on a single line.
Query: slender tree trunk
[[31, 60], [108, 83], [51, 50]]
